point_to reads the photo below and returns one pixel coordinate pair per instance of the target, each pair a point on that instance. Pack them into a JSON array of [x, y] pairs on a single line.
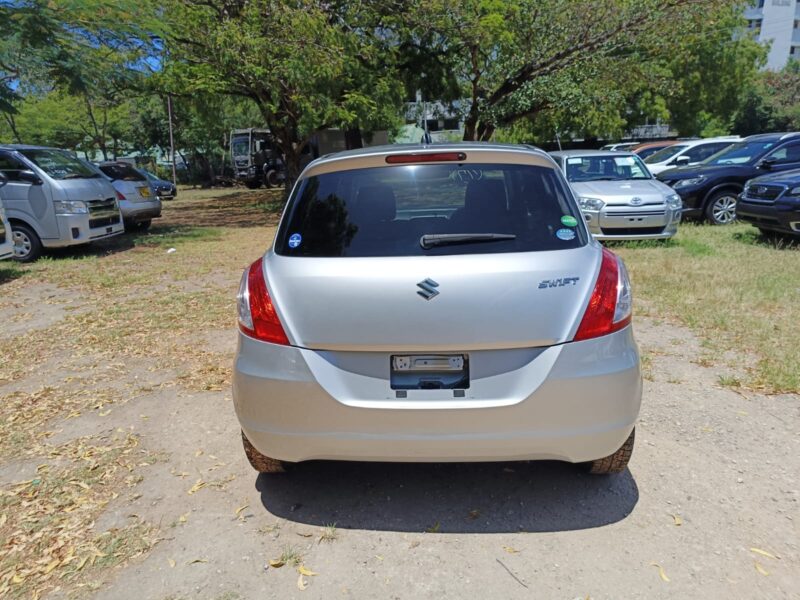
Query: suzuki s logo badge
[[636, 201], [427, 289]]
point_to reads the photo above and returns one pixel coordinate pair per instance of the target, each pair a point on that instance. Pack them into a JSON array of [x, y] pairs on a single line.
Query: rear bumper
[[134, 212], [574, 402]]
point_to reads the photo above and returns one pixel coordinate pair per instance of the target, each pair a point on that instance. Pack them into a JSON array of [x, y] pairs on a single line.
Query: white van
[[53, 199]]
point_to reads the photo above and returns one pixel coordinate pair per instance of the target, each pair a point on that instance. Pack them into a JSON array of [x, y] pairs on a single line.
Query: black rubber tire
[[709, 209], [33, 240], [261, 463], [615, 463], [252, 185], [272, 178]]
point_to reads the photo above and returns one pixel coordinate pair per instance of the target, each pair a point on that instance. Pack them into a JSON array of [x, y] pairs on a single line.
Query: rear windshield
[[386, 211], [124, 172]]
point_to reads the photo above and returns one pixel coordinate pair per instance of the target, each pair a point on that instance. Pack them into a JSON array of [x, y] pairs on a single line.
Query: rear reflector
[[257, 315], [609, 307], [402, 159]]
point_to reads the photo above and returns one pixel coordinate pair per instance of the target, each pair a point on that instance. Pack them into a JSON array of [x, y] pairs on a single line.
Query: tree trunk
[[13, 125], [352, 138]]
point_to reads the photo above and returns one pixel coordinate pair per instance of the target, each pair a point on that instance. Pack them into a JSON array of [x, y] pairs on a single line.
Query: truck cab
[[52, 199]]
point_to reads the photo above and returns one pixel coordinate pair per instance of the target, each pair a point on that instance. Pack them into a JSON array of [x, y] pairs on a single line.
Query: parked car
[[436, 304], [772, 203], [619, 197], [619, 146], [648, 148], [165, 190], [137, 200], [6, 243], [687, 152], [711, 189], [53, 199]]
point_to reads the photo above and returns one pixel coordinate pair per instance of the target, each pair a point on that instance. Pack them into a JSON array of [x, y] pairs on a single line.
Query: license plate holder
[[429, 371]]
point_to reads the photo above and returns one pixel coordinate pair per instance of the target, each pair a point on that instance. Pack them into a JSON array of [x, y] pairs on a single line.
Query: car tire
[[721, 208], [272, 178], [261, 463], [27, 245], [615, 463]]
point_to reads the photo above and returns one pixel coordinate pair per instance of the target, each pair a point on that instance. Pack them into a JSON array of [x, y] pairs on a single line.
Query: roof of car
[[645, 145], [773, 137], [568, 153], [444, 147], [26, 147]]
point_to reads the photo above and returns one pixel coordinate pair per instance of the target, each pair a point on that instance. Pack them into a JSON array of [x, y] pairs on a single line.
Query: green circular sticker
[[569, 221]]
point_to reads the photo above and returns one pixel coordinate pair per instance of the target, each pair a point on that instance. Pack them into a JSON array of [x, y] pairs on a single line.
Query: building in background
[[778, 22]]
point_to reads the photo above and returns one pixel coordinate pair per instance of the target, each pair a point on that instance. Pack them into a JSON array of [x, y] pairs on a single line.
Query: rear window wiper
[[444, 239]]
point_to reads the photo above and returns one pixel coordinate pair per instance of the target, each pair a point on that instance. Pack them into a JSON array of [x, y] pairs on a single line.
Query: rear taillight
[[610, 306], [120, 195], [257, 315]]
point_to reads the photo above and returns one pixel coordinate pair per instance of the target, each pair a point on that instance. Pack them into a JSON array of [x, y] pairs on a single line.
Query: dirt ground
[[708, 509]]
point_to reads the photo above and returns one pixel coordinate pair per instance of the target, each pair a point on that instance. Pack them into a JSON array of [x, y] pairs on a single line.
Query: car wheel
[[721, 208], [27, 245], [261, 463], [615, 463], [272, 178]]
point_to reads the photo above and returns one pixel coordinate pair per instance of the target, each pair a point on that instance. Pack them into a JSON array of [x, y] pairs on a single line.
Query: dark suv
[[710, 189], [772, 203]]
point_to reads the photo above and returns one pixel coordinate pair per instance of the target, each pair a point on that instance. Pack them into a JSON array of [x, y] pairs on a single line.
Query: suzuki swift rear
[[436, 304]]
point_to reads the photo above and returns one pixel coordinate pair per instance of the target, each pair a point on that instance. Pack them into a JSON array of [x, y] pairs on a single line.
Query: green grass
[[738, 290]]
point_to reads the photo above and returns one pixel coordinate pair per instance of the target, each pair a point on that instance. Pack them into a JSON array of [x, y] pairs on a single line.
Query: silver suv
[[436, 303]]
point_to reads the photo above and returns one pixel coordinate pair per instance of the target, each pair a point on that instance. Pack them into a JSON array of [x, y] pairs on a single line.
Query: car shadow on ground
[[774, 240], [448, 498]]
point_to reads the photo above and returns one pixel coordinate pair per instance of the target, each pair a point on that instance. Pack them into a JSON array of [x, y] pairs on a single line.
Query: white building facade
[[778, 22]]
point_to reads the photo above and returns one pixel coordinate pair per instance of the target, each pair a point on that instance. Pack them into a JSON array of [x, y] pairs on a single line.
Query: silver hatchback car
[[620, 198], [436, 303]]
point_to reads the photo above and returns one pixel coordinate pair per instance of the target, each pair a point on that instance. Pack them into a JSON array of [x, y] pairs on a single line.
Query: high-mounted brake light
[[609, 307], [257, 315], [421, 157]]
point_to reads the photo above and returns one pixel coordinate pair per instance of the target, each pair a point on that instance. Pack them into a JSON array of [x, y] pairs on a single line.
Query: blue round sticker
[[563, 234], [294, 240]]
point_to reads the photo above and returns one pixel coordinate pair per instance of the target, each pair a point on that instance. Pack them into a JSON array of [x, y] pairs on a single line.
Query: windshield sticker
[[574, 161], [565, 234], [569, 221], [294, 240], [624, 161]]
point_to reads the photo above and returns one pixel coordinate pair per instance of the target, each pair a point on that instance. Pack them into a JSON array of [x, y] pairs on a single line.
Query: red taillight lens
[[611, 293], [257, 315], [421, 157], [120, 196]]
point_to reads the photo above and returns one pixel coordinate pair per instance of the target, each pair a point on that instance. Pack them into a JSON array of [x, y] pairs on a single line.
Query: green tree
[[307, 65], [578, 59]]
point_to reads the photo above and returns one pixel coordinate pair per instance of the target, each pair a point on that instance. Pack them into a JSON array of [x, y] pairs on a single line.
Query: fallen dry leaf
[[276, 563], [761, 569], [183, 518], [302, 584], [199, 484], [510, 550], [678, 520], [104, 413], [764, 553], [3, 519], [303, 571], [434, 528], [661, 572], [199, 453], [172, 563], [303, 534], [197, 560]]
